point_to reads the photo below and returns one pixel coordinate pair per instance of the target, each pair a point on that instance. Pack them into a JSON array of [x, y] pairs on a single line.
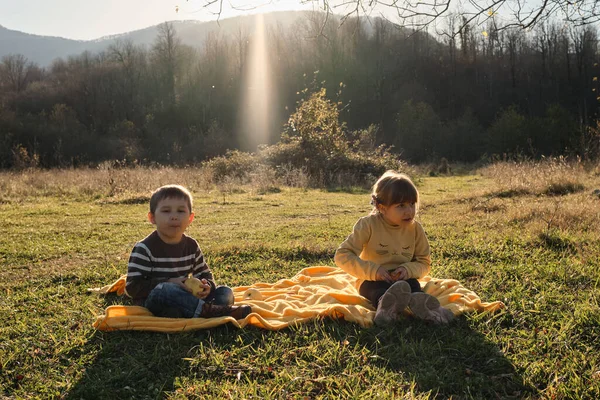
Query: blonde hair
[[170, 192], [394, 188]]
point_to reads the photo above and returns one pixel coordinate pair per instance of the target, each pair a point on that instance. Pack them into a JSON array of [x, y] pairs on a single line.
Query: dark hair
[[170, 191], [394, 188]]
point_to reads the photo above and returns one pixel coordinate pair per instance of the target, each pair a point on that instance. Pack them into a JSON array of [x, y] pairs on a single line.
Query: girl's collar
[[382, 218], [387, 224]]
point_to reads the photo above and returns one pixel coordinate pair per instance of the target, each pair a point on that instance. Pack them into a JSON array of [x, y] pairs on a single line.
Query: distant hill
[[44, 49]]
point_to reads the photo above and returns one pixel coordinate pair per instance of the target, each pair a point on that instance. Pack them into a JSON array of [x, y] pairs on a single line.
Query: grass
[[504, 231]]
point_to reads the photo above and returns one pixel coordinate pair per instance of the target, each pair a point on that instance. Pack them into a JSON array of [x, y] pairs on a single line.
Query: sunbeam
[[257, 93]]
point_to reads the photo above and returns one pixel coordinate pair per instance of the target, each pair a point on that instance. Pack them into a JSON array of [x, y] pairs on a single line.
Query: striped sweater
[[153, 261]]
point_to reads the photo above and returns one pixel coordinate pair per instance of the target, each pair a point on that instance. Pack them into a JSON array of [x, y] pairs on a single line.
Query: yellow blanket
[[314, 292]]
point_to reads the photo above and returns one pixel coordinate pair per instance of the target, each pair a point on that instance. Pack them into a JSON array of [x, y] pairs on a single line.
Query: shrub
[[589, 146], [315, 142], [23, 159], [313, 137], [563, 188], [234, 164]]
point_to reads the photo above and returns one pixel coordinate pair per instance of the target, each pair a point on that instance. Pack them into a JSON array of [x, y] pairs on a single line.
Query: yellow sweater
[[373, 243]]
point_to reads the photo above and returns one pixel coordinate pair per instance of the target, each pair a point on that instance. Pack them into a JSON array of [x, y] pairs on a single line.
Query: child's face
[[171, 217], [398, 214]]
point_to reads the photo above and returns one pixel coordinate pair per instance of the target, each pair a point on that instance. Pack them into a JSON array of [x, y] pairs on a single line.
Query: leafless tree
[[167, 54], [14, 72], [131, 60], [423, 14]]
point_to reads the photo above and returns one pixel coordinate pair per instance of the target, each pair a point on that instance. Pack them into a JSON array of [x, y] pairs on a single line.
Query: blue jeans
[[170, 300]]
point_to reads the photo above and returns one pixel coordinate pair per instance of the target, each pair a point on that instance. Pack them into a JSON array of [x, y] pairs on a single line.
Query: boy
[[160, 264]]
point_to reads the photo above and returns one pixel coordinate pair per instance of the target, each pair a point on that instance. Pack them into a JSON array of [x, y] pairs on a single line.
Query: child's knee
[[170, 300], [223, 295]]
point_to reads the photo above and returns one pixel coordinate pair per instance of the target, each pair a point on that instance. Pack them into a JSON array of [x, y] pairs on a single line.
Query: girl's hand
[[400, 274], [384, 275]]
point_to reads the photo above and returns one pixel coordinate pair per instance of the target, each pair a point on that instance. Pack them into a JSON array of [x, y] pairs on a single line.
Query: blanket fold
[[315, 292]]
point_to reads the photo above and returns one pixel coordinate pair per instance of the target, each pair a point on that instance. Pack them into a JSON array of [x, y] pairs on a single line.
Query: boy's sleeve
[[201, 270], [139, 273], [420, 265], [347, 256]]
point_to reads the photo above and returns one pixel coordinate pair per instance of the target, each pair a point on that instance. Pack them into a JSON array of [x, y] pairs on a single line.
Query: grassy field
[[526, 234]]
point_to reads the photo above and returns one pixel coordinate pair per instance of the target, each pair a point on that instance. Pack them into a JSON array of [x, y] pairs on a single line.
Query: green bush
[[316, 142], [234, 164]]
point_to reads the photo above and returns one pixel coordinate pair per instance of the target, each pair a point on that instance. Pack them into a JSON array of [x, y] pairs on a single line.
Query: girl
[[388, 251]]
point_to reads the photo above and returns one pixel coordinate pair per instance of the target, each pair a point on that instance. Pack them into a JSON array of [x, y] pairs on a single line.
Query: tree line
[[487, 92]]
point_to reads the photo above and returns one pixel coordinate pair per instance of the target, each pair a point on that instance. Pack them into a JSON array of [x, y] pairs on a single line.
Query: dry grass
[[96, 182], [122, 183], [538, 197], [551, 204], [552, 176], [553, 194]]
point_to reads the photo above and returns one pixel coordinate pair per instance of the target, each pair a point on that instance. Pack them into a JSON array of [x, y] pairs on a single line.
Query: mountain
[[44, 49], [40, 49]]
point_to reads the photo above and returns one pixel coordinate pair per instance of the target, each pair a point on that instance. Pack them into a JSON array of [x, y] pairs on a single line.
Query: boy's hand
[[400, 274], [384, 275], [199, 288], [180, 282], [206, 289]]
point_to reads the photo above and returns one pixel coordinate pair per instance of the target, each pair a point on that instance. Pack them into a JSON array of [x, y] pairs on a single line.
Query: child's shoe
[[210, 310], [392, 303], [428, 308], [240, 312]]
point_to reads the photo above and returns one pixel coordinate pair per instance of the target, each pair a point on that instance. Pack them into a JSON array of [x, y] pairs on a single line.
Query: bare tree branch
[[419, 15]]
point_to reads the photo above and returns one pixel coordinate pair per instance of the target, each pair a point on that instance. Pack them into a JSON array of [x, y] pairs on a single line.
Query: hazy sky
[[91, 19]]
